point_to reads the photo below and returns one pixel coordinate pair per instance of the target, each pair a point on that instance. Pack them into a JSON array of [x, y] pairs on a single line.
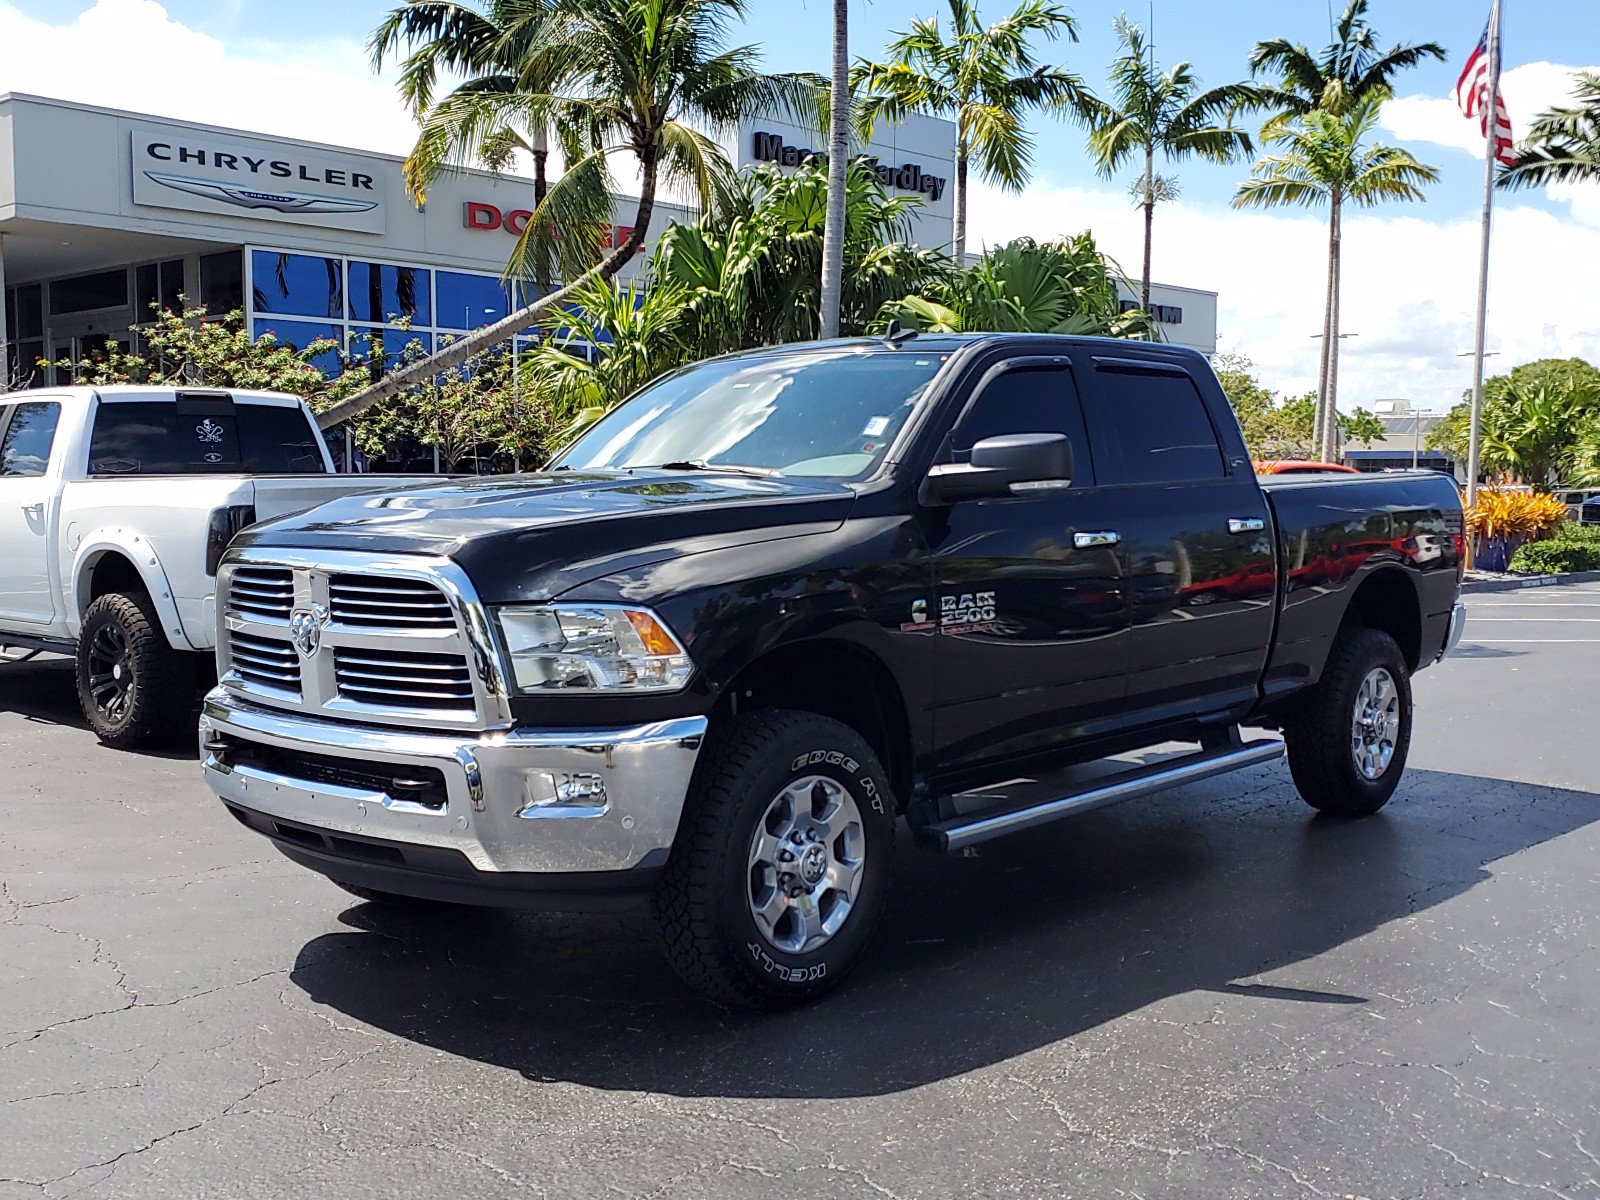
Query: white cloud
[[1409, 283], [131, 54]]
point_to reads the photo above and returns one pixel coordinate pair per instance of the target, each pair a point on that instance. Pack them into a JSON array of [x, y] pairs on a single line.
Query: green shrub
[[1575, 534], [1556, 556]]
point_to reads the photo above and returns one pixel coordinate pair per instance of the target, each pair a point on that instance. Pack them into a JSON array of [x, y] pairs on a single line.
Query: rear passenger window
[[1161, 424], [28, 438], [1027, 400]]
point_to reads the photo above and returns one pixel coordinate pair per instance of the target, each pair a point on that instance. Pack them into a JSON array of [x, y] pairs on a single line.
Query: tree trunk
[[541, 184], [474, 343], [1330, 427], [838, 167], [1149, 227], [958, 240], [1319, 423]]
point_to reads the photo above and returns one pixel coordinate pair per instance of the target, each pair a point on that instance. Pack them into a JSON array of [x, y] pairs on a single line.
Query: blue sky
[[794, 36], [298, 68]]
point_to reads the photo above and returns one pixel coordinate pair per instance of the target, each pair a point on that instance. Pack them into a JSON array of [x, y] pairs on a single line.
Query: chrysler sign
[[227, 174]]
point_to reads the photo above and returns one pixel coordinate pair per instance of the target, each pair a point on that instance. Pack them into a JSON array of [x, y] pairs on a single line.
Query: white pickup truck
[[116, 504]]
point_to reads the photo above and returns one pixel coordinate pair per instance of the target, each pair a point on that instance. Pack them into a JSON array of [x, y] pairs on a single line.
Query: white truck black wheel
[[777, 874], [1349, 736], [134, 688]]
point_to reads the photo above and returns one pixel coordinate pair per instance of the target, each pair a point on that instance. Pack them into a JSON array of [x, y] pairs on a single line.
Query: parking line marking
[[1533, 620], [1539, 641]]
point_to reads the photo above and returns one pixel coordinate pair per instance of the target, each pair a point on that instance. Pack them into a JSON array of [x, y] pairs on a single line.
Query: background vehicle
[[779, 600], [116, 504], [1296, 466]]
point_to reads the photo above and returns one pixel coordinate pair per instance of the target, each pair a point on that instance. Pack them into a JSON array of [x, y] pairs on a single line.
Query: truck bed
[[1335, 530]]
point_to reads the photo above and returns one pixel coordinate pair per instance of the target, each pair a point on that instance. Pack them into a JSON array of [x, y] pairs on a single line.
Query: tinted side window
[[1027, 400], [1160, 421], [278, 441], [29, 437]]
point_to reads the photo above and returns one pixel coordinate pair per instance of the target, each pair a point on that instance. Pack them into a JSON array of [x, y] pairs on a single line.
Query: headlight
[[592, 647]]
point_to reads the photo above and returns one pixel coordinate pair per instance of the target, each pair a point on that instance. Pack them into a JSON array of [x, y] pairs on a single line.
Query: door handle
[[1246, 524], [1087, 541], [33, 511]]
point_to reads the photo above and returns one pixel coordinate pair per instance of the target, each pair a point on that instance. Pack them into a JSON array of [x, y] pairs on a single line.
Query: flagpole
[[1475, 435]]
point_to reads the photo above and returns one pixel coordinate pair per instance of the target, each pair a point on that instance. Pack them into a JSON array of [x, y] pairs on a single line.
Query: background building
[[104, 213], [1404, 443]]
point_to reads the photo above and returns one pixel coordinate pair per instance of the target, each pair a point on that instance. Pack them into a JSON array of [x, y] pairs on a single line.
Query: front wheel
[[778, 871], [1348, 739], [134, 688]]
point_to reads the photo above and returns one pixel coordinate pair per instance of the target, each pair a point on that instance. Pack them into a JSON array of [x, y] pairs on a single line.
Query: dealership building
[[104, 213]]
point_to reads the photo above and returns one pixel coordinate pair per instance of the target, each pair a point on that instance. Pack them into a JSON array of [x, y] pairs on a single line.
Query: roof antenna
[[897, 334]]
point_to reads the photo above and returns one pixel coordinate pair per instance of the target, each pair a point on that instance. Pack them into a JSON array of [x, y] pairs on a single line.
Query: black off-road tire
[[155, 683], [702, 902], [1318, 729]]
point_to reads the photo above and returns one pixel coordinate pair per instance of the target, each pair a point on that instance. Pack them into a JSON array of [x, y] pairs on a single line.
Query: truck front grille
[[262, 592], [375, 601], [266, 662], [398, 679], [344, 636]]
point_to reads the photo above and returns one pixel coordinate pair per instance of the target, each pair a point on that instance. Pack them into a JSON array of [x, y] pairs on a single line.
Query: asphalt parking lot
[[1210, 993]]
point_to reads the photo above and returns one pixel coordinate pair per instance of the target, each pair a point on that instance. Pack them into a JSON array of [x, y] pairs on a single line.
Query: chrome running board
[[1021, 811]]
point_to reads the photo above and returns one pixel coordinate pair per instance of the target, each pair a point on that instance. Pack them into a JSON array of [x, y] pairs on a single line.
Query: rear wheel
[[778, 872], [134, 688], [1349, 738]]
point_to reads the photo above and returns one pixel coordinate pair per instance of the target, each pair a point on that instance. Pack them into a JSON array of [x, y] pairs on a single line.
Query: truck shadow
[[44, 692], [977, 960]]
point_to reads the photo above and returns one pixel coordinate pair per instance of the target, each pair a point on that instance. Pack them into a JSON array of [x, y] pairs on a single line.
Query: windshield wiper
[[696, 464]]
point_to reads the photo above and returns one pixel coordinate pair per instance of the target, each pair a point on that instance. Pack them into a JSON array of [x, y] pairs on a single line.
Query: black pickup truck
[[778, 601]]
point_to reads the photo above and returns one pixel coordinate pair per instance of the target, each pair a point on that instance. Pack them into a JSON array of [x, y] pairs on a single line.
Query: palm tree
[[1325, 163], [750, 273], [1152, 112], [985, 79], [1563, 145], [608, 78], [1026, 286], [838, 168], [1346, 71]]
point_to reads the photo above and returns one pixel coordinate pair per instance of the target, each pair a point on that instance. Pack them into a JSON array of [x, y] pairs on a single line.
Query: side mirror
[[1001, 466]]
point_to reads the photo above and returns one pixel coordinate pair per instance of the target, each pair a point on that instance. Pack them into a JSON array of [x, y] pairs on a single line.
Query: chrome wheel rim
[[110, 672], [1375, 723], [806, 862]]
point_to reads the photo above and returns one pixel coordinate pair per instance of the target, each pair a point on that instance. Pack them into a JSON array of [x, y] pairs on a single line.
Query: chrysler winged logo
[[305, 629], [245, 197]]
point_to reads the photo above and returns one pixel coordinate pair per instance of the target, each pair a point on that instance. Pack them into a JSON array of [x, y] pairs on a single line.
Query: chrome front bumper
[[558, 801], [1452, 633]]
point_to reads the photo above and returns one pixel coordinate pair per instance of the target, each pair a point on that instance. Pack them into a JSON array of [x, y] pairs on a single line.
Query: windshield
[[824, 414]]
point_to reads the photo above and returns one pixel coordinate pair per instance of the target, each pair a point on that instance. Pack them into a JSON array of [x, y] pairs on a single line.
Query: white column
[[5, 373]]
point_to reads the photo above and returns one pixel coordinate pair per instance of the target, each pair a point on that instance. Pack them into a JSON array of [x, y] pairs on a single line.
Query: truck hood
[[532, 537]]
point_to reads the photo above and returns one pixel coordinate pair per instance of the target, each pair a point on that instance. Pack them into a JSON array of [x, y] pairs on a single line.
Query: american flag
[[1472, 94]]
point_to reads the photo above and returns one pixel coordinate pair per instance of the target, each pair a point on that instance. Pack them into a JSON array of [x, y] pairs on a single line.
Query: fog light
[[562, 793]]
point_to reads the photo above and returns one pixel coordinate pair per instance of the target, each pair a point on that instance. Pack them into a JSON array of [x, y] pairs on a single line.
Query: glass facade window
[[222, 282], [470, 301], [157, 286], [381, 294], [302, 285], [387, 344], [89, 293], [301, 334]]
